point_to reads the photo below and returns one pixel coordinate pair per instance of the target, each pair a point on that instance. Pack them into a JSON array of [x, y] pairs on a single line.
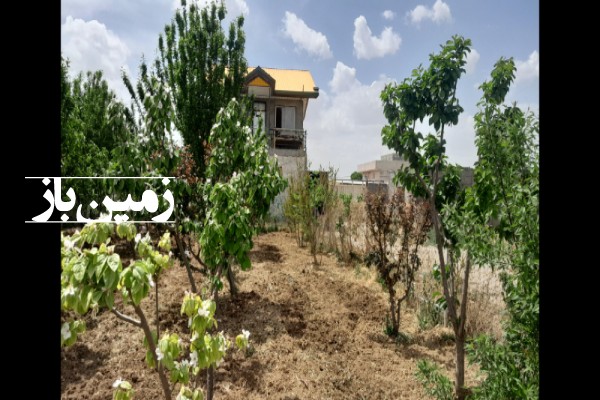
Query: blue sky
[[352, 48]]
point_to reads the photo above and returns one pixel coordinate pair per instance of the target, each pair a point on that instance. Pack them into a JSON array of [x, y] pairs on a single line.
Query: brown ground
[[317, 333]]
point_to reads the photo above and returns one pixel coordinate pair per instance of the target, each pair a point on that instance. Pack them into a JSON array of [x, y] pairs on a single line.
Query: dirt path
[[317, 332]]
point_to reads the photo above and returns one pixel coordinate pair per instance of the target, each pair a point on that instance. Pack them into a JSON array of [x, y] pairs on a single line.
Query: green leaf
[[245, 263], [137, 294], [110, 279], [109, 299], [138, 272], [79, 269], [96, 296], [114, 262], [100, 265]]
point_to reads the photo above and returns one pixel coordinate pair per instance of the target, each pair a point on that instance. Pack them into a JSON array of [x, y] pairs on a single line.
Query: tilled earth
[[316, 333]]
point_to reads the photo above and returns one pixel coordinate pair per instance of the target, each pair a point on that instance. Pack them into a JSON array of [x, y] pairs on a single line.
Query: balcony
[[287, 139]]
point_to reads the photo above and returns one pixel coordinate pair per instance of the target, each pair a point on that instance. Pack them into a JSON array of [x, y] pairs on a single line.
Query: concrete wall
[[354, 190], [466, 177], [360, 190], [290, 165], [289, 154], [391, 157]]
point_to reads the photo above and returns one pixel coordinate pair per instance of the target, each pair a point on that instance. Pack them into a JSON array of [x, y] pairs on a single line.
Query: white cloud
[[472, 59], [460, 141], [344, 125], [234, 7], [367, 46], [388, 14], [305, 38], [84, 8], [440, 12], [241, 6], [344, 78], [89, 45], [528, 70]]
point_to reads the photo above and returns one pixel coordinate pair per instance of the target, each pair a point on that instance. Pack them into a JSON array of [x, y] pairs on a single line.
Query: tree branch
[[150, 339], [126, 318], [197, 257], [465, 292], [178, 241]]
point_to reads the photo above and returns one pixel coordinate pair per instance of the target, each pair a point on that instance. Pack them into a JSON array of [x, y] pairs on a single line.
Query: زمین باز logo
[[149, 202]]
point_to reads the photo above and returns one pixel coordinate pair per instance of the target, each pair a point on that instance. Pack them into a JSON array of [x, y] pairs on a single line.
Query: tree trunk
[[398, 307], [457, 322], [156, 306], [210, 372], [183, 257], [395, 321], [459, 382], [150, 339], [210, 382], [233, 290], [460, 335]]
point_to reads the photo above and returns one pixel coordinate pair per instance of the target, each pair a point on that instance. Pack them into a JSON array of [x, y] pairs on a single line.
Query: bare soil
[[316, 331]]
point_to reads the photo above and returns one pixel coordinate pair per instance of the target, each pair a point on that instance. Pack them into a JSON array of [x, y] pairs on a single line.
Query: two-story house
[[280, 101]]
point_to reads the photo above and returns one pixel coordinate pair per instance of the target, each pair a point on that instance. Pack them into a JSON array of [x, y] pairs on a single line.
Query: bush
[[436, 384], [307, 209], [396, 220], [356, 176]]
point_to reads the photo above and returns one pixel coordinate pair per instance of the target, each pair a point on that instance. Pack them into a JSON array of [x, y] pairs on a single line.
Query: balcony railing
[[291, 139]]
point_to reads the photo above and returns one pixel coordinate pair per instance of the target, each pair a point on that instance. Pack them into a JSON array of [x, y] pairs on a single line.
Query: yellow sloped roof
[[290, 80]]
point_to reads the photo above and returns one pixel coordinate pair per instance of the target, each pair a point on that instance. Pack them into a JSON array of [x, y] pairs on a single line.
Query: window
[[278, 117], [285, 117], [259, 114], [259, 91]]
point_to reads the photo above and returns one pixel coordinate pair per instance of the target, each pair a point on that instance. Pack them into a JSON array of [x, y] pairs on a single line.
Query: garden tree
[[312, 195], [356, 176], [431, 94], [97, 139], [103, 118], [91, 113], [505, 192], [390, 221], [344, 227], [204, 349], [201, 69], [93, 275], [66, 101], [154, 105], [241, 182]]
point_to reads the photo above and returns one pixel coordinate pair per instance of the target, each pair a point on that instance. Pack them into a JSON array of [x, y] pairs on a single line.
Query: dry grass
[[486, 307]]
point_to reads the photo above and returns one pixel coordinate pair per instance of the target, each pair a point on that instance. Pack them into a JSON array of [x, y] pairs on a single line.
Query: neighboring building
[[280, 101], [383, 170], [466, 176]]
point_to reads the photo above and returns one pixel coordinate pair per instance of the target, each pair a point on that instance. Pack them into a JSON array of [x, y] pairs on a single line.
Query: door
[[289, 118], [285, 117]]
